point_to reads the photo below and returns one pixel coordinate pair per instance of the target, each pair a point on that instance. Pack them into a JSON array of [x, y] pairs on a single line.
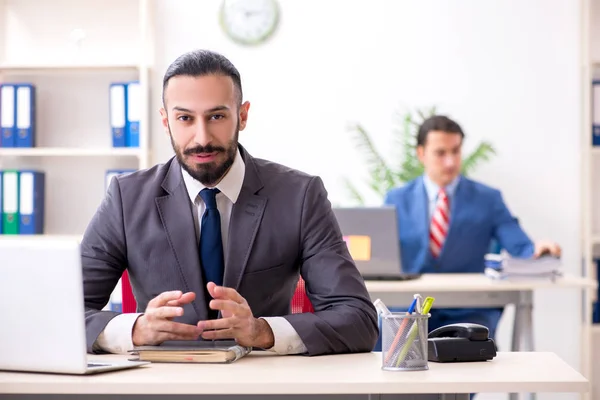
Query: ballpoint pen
[[414, 331], [418, 309], [409, 312], [383, 310]]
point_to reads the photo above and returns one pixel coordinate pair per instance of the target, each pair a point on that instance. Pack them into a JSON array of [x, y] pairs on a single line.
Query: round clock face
[[249, 21]]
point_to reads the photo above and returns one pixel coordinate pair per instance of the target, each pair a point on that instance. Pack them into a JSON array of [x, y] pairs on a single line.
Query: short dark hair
[[201, 63], [437, 123]]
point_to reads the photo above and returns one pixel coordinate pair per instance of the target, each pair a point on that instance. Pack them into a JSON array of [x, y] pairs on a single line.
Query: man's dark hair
[[200, 63], [437, 123]]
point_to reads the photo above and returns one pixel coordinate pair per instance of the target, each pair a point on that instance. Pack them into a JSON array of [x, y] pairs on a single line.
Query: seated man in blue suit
[[447, 221]]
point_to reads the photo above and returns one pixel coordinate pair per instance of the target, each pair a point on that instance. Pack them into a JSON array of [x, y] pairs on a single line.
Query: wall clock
[[249, 22]]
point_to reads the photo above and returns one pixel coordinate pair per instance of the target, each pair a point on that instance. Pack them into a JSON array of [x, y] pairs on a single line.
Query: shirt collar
[[433, 189], [230, 185]]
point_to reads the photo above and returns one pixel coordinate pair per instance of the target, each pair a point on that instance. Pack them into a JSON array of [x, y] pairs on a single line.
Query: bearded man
[[214, 240]]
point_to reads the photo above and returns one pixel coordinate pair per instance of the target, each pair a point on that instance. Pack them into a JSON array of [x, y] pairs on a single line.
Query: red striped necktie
[[440, 221]]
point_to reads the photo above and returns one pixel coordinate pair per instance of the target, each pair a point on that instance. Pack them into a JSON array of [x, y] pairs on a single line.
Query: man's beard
[[207, 173]]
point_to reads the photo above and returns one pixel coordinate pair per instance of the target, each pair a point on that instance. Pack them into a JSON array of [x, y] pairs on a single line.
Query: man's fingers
[[221, 323], [185, 298], [165, 312], [225, 293], [163, 298], [231, 306], [557, 250], [220, 334]]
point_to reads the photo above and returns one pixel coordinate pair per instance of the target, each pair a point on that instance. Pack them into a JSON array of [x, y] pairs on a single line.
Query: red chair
[[129, 305], [300, 301]]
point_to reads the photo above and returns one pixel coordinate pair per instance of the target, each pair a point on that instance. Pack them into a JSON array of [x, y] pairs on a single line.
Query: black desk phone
[[460, 343]]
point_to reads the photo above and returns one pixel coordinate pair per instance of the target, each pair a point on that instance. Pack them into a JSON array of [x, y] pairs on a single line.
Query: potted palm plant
[[385, 175]]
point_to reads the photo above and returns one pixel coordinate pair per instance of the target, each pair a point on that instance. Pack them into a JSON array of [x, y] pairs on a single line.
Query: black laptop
[[371, 234]]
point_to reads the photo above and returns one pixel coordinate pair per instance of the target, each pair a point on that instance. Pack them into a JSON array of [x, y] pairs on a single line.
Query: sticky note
[[359, 247]]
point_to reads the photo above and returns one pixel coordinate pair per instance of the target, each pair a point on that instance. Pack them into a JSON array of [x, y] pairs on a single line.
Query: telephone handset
[[459, 343], [473, 332]]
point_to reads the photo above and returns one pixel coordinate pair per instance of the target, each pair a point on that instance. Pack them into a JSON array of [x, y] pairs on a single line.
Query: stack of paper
[[506, 267]]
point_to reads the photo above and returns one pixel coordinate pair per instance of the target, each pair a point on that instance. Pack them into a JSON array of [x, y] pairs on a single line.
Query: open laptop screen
[[371, 234]]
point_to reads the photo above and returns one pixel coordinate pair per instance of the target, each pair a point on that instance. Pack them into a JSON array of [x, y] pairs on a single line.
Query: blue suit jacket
[[477, 215]]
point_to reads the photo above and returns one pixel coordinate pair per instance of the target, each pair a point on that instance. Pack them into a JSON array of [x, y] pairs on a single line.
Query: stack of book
[[499, 266], [192, 351]]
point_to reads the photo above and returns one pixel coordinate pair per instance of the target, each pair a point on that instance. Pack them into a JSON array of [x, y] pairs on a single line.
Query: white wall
[[508, 71]]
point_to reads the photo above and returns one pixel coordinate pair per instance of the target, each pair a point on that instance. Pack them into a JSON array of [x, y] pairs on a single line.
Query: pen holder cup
[[404, 342]]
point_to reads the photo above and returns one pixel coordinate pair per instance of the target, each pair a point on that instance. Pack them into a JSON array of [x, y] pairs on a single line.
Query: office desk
[[477, 290], [261, 374]]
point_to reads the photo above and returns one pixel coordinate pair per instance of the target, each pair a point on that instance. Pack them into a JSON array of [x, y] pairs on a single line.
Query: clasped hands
[[156, 325]]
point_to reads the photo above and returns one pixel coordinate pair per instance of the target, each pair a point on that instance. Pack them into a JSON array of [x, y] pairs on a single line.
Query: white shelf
[[71, 57], [13, 67], [41, 237], [69, 152], [596, 150], [596, 329]]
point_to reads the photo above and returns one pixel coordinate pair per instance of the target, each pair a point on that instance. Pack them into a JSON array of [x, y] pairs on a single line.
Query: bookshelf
[[590, 157], [70, 152], [71, 51]]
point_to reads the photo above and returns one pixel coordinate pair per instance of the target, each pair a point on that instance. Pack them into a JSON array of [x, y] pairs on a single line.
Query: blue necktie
[[211, 245]]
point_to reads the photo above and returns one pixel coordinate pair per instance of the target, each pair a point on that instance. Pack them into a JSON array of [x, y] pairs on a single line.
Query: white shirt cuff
[[117, 335], [287, 340]]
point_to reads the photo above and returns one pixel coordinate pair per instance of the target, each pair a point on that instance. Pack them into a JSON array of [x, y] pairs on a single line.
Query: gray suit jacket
[[281, 225]]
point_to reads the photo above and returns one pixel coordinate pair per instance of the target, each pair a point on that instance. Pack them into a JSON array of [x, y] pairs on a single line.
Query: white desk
[[477, 290], [262, 374]]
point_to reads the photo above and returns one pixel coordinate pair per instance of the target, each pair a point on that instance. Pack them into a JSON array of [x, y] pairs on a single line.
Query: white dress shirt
[[117, 335], [433, 191]]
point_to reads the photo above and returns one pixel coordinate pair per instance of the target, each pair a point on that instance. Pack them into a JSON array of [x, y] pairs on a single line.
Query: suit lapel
[[422, 214], [246, 216], [178, 221]]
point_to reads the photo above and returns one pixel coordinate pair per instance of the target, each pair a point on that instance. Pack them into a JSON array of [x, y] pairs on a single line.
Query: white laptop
[[42, 326]]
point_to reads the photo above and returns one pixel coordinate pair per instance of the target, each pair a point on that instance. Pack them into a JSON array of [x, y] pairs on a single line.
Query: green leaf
[[483, 152], [354, 193], [376, 164]]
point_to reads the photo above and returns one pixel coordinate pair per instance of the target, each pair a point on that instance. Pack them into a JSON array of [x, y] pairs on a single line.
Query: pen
[[419, 305], [383, 310], [414, 330], [427, 304], [411, 309]]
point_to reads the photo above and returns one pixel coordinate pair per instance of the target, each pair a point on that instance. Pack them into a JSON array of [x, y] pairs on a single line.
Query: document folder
[[115, 302], [117, 114], [596, 112], [31, 202], [134, 108], [1, 202], [25, 136], [10, 203], [111, 173], [8, 115]]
